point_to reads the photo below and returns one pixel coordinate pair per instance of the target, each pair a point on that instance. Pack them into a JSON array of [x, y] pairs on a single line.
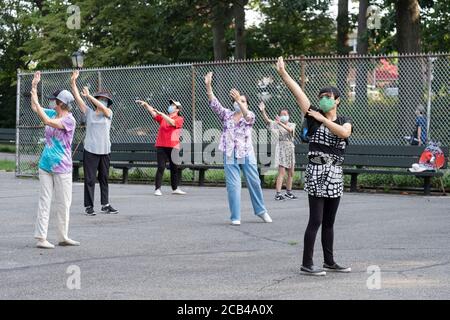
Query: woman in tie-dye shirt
[[55, 164], [236, 144]]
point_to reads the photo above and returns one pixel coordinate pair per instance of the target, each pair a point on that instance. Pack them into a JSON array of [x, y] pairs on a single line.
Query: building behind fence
[[380, 93]]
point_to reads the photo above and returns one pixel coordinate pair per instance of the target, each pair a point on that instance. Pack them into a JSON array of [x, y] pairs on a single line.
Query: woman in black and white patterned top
[[328, 134]]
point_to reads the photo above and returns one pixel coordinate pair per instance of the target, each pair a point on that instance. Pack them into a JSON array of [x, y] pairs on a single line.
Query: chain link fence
[[382, 94]]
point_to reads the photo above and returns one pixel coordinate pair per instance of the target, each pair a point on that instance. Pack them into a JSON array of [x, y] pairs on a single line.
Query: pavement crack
[[275, 282]]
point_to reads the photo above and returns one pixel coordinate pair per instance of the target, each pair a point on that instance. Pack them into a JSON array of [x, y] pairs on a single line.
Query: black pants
[[322, 211], [162, 156], [91, 164]]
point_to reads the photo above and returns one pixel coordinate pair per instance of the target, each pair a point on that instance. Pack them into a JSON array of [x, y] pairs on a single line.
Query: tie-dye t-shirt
[[57, 154]]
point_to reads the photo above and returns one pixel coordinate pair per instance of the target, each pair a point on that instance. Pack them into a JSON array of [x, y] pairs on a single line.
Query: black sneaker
[[336, 268], [290, 196], [89, 211], [312, 271], [108, 209], [279, 197]]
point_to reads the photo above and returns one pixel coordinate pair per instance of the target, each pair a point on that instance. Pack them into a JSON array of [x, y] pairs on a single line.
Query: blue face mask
[[171, 108]]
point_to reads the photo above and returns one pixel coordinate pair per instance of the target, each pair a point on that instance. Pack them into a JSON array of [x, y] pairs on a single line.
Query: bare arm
[[342, 131], [105, 110], [167, 118], [73, 82], [215, 105], [286, 127], [262, 107], [300, 96], [36, 107], [148, 107], [208, 82]]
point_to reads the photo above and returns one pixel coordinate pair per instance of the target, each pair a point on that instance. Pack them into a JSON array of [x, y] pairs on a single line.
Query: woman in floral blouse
[[236, 144]]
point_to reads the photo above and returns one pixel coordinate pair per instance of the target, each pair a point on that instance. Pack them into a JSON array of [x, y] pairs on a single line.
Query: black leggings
[[93, 164], [163, 155], [322, 211]]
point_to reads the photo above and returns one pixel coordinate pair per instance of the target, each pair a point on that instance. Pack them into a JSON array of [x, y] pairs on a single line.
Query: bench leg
[[354, 182], [125, 175], [76, 174], [201, 177], [427, 185]]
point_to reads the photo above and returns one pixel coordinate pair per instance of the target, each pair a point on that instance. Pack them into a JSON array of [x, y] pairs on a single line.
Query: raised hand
[[208, 78], [145, 104], [85, 92], [317, 115], [74, 76], [262, 106], [235, 95], [277, 119], [36, 79], [281, 65]]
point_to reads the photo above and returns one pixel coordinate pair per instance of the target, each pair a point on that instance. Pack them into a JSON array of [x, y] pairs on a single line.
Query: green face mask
[[326, 104]]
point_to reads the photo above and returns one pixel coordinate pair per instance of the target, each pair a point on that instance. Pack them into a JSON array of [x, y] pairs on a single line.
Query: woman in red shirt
[[167, 140]]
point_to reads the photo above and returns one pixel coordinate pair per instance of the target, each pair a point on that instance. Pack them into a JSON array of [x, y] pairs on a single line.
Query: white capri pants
[[61, 186]]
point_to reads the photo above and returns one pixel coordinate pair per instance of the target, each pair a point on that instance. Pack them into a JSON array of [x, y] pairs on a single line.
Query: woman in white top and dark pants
[[97, 145]]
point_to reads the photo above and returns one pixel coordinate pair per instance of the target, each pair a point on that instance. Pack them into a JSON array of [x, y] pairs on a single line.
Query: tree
[[220, 19], [292, 27], [14, 31], [240, 51], [408, 26], [362, 49], [343, 28]]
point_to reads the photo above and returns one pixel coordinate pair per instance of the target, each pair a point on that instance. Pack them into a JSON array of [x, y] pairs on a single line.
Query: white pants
[[61, 186]]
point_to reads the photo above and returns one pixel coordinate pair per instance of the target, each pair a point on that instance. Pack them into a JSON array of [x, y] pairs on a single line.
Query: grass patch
[[6, 165], [8, 148]]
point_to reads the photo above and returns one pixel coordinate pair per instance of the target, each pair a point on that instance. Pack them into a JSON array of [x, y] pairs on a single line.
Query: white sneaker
[[178, 191], [235, 222], [265, 217], [44, 244], [158, 192], [68, 242]]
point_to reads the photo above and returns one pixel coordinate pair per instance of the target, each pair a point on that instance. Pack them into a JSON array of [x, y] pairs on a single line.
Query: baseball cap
[[177, 103], [62, 95]]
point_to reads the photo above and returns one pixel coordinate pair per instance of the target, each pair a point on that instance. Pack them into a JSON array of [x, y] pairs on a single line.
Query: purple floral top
[[235, 137]]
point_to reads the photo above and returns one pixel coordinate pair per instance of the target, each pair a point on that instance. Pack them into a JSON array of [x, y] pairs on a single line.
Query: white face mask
[[52, 104], [104, 103], [284, 119], [237, 107]]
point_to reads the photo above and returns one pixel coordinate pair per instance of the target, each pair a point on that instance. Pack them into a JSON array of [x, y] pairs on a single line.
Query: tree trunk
[[362, 48], [408, 26], [343, 27], [412, 71], [240, 51], [219, 17]]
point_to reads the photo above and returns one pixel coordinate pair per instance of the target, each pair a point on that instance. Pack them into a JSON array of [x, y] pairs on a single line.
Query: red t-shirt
[[169, 136]]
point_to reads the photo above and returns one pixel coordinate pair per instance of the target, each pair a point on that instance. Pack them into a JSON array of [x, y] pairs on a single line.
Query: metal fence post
[[193, 104], [429, 93], [17, 123], [100, 84]]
